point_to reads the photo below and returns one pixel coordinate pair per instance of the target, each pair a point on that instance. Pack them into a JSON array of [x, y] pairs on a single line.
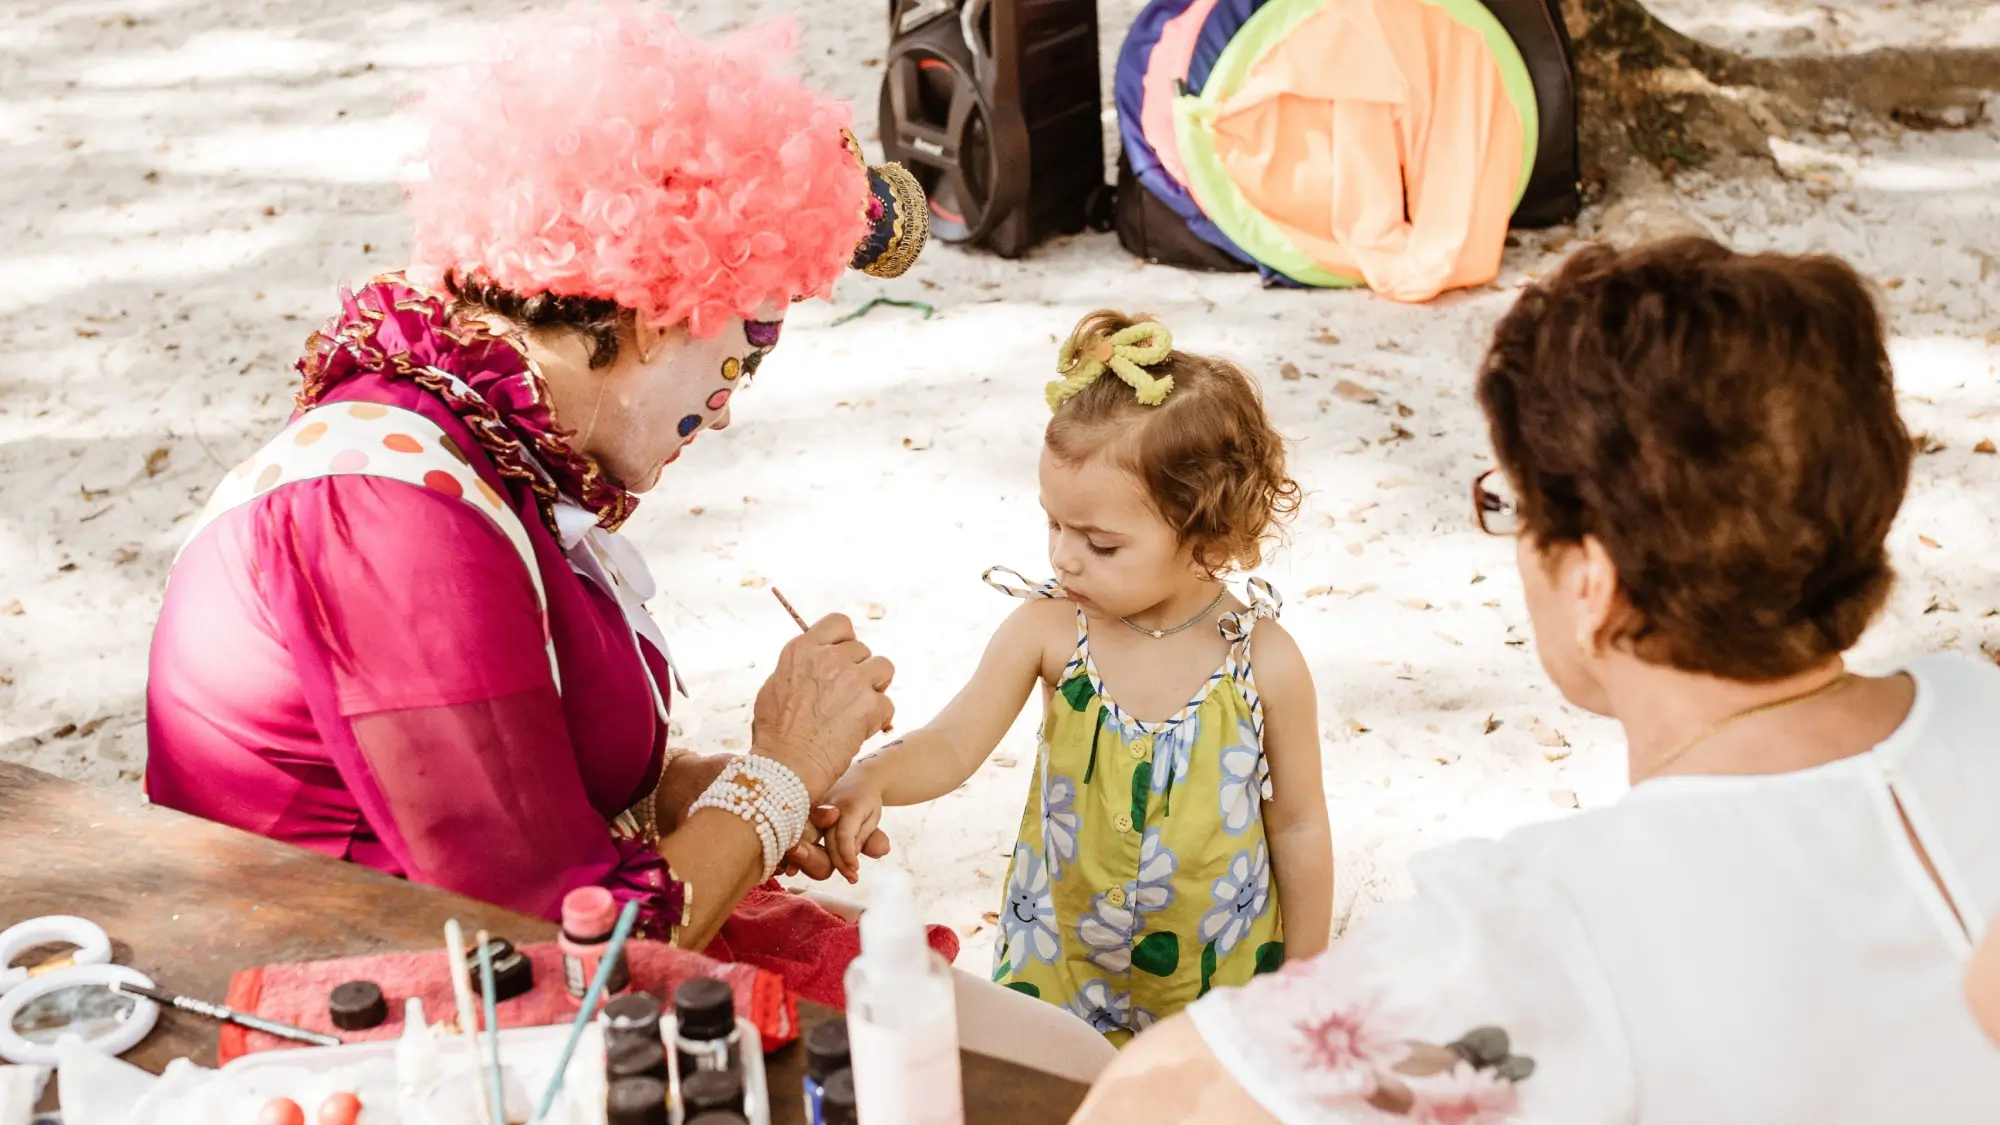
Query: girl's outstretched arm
[[932, 761], [1295, 819]]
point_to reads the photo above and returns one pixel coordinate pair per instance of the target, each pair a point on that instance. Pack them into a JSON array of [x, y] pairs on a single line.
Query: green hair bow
[[1126, 352]]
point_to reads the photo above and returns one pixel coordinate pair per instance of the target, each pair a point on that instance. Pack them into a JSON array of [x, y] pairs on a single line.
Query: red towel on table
[[802, 942], [297, 994]]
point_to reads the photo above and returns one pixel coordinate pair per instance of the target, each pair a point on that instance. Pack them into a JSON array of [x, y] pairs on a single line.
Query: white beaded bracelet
[[768, 796]]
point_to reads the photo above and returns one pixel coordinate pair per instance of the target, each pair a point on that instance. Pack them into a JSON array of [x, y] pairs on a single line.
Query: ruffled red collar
[[391, 329]]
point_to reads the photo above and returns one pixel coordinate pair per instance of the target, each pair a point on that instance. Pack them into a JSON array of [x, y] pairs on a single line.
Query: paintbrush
[[468, 1016], [779, 594], [492, 1028], [804, 628], [613, 950], [229, 1015]]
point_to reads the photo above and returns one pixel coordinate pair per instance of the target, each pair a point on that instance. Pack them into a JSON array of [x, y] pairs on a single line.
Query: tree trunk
[[1649, 96]]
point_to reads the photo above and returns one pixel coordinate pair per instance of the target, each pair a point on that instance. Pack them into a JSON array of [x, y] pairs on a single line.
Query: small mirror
[[88, 1011]]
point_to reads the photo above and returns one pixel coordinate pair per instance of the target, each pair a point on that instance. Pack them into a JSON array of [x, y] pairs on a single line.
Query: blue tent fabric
[[1128, 91], [1223, 22]]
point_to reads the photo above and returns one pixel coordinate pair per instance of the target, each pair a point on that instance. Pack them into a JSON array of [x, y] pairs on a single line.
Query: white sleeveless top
[[1711, 950]]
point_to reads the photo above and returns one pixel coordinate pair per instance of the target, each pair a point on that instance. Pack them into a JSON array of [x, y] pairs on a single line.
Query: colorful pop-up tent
[[1345, 142]]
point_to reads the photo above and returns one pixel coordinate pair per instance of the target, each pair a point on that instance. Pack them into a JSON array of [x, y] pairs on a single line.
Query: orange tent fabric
[[1379, 138]]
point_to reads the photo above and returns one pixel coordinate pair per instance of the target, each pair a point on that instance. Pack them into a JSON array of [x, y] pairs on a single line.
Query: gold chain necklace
[[1727, 721], [1156, 634]]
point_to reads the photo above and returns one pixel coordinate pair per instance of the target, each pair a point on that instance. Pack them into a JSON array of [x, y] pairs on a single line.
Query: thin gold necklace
[[1719, 725], [1156, 634]]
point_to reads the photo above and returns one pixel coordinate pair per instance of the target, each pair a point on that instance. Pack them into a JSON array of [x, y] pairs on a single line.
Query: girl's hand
[[811, 858], [857, 800]]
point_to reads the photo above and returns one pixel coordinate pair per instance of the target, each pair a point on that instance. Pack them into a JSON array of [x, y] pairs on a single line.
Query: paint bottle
[[712, 1091], [902, 1017], [634, 1058], [589, 914], [636, 1101], [417, 1064], [826, 1053], [837, 1103], [705, 1027], [632, 1044]]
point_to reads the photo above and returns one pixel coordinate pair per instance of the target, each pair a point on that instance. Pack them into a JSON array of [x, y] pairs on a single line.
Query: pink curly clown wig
[[600, 151]]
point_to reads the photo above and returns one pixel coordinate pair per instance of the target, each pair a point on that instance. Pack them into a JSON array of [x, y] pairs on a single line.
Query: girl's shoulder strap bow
[[1126, 353]]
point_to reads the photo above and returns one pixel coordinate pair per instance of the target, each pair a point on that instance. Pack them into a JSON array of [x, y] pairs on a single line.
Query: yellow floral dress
[[1141, 878]]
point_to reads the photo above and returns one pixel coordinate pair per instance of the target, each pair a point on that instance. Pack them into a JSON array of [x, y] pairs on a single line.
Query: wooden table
[[189, 903]]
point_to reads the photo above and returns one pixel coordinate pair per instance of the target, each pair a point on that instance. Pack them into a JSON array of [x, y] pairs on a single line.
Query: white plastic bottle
[[902, 1017], [417, 1064]]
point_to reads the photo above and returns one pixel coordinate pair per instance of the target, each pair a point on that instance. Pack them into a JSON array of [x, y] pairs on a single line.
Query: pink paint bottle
[[589, 914]]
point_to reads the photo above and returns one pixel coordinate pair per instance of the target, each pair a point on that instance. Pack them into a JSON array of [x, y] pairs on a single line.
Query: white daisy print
[[1028, 917], [1242, 894], [1100, 1007], [1153, 890], [1241, 784], [1107, 932], [1173, 752], [1060, 820]]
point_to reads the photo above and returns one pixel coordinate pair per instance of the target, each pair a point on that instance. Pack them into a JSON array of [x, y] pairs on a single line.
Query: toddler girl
[[1178, 799]]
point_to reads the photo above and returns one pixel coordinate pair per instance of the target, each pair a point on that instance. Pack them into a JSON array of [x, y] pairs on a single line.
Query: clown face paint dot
[[731, 368], [690, 424], [719, 399]]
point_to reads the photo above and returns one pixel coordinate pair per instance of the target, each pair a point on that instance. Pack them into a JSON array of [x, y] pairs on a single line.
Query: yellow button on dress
[[1141, 878]]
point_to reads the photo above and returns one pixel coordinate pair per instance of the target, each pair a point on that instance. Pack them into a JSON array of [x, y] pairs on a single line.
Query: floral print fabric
[[1141, 878]]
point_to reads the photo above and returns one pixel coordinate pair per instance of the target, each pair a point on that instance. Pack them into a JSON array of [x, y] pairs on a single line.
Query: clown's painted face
[[647, 411]]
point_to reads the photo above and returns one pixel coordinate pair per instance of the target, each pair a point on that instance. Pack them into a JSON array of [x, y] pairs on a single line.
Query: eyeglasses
[[1494, 505]]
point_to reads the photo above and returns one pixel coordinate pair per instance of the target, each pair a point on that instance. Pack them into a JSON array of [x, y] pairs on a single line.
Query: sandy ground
[[186, 183]]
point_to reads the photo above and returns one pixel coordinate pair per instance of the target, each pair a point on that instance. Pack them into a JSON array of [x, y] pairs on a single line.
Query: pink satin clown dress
[[358, 665]]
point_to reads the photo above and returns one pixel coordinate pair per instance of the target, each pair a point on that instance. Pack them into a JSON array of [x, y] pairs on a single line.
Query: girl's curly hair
[[1207, 455]]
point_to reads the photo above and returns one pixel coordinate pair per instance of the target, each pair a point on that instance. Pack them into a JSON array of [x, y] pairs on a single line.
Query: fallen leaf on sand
[[1354, 392], [1985, 446], [1928, 541], [991, 917], [1325, 337], [1363, 509], [1564, 798], [1355, 728], [1418, 604], [1940, 605], [12, 609], [1451, 640], [874, 612], [1289, 373], [1404, 411], [156, 461], [752, 582], [124, 555], [1006, 761], [1893, 283], [1394, 482], [1925, 443], [1398, 433], [1548, 735], [1492, 724], [1319, 591]]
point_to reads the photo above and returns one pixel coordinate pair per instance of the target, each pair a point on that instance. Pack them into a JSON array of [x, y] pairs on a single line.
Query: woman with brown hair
[[1700, 459]]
